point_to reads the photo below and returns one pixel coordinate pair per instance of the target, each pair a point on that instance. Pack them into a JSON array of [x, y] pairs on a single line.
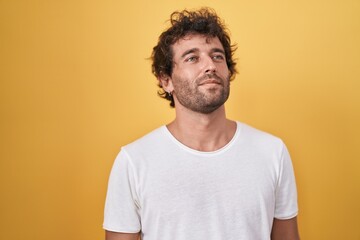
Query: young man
[[202, 176]]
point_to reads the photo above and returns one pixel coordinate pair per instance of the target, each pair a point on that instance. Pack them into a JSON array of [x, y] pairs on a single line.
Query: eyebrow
[[219, 50], [193, 50]]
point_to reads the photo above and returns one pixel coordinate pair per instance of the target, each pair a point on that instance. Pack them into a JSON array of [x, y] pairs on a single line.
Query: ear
[[166, 82]]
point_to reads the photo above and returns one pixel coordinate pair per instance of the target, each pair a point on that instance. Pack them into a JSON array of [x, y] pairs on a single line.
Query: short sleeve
[[121, 212], [286, 206]]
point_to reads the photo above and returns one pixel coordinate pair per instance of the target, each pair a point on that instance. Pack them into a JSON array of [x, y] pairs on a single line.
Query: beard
[[202, 99]]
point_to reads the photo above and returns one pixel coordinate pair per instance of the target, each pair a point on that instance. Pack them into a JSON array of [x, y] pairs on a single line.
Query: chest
[[201, 185]]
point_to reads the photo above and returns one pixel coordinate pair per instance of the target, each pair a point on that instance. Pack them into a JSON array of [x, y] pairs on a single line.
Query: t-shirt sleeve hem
[[285, 217], [120, 230]]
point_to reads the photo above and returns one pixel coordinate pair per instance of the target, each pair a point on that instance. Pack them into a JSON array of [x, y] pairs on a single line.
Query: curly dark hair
[[203, 21]]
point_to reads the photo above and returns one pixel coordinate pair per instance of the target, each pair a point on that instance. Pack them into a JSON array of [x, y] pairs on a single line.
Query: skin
[[199, 84], [121, 236], [195, 89], [285, 229], [196, 56]]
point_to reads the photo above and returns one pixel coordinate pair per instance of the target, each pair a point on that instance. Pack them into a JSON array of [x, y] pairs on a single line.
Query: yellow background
[[76, 85]]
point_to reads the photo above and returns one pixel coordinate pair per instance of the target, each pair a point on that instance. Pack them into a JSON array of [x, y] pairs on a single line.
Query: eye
[[191, 59], [218, 57]]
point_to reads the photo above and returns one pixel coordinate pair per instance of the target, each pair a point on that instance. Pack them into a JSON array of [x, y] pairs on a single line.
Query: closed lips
[[210, 81]]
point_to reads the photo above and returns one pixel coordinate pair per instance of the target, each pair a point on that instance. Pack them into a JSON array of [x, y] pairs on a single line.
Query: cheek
[[224, 71], [188, 75]]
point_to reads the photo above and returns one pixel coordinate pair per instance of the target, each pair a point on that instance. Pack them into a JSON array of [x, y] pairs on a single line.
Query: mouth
[[210, 79], [210, 82]]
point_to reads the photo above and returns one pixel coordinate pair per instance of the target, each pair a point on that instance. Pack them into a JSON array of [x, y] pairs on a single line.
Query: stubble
[[199, 98]]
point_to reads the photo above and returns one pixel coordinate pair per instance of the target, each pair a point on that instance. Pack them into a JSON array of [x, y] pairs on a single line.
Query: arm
[[121, 211], [121, 236], [285, 229]]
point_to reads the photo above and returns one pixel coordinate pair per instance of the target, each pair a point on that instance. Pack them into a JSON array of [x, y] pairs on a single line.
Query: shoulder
[[149, 139], [152, 142], [253, 134], [259, 141]]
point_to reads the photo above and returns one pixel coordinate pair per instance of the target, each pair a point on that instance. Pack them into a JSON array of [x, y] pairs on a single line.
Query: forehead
[[201, 42]]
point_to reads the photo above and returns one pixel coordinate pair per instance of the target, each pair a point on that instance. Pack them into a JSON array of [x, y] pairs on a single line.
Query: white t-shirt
[[167, 190]]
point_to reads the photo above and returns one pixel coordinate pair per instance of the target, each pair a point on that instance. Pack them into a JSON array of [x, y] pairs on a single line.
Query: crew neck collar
[[204, 153]]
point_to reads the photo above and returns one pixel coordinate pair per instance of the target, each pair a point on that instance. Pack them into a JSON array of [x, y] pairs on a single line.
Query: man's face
[[200, 77]]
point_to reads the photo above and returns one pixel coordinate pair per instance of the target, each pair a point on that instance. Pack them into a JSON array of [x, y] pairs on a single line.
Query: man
[[202, 176]]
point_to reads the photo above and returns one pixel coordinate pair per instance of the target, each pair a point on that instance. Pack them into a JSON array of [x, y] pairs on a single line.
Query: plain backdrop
[[76, 85]]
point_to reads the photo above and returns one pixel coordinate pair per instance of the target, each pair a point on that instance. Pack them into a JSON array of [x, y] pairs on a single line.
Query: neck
[[202, 132]]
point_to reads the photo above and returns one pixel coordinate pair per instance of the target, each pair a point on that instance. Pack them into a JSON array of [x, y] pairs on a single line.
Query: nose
[[210, 66]]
